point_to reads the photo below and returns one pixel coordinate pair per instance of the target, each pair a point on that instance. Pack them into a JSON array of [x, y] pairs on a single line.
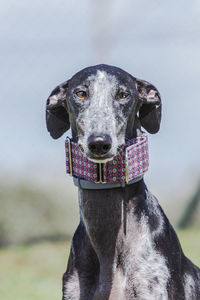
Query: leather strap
[[89, 185]]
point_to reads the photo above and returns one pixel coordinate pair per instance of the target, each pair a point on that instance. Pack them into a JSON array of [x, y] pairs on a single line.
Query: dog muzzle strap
[[127, 167]]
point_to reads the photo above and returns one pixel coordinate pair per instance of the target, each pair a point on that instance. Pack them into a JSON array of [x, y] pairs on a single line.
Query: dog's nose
[[99, 144]]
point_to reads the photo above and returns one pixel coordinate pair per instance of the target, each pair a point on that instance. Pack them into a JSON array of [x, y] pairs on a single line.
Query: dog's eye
[[123, 95], [81, 94]]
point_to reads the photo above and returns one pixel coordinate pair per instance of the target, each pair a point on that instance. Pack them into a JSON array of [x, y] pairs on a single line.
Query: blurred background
[[43, 43]]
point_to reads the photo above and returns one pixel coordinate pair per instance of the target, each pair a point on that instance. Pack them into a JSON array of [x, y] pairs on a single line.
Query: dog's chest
[[139, 282], [112, 291], [146, 276], [142, 273], [145, 273]]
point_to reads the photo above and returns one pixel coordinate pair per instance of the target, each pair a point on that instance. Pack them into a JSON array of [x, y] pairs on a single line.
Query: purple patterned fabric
[[131, 162]]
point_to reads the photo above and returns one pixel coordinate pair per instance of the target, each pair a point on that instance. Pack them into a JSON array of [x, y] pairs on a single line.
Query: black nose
[[99, 144]]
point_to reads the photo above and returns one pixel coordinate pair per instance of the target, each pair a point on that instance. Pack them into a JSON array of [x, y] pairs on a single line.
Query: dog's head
[[104, 106]]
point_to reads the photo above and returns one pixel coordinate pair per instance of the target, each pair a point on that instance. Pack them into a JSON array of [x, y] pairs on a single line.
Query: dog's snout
[[99, 144]]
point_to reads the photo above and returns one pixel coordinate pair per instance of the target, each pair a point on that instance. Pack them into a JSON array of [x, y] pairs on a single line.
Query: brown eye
[[123, 95], [81, 94]]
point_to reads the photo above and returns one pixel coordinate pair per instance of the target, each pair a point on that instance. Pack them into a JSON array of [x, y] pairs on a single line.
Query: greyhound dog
[[124, 246]]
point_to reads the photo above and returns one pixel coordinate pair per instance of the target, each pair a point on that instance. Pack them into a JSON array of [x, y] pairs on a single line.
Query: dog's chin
[[99, 159]]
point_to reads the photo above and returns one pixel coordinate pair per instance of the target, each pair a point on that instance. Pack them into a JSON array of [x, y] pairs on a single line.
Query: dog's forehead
[[102, 79], [103, 74]]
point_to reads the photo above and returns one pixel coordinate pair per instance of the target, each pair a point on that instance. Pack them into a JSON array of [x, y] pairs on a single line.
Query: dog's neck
[[105, 214]]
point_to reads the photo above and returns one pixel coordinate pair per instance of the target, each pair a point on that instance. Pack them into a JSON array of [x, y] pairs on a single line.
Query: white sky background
[[43, 43]]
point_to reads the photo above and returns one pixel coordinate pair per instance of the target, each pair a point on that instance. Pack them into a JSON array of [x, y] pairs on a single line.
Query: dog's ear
[[57, 118], [149, 106]]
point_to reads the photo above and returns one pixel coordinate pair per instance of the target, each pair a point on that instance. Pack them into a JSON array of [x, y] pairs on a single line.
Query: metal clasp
[[126, 173], [100, 175], [70, 156]]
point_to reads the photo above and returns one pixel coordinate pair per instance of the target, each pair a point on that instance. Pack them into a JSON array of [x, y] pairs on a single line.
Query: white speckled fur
[[189, 286], [146, 269], [72, 287], [53, 100], [100, 116]]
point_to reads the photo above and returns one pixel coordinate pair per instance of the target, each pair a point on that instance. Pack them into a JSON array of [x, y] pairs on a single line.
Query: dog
[[124, 246]]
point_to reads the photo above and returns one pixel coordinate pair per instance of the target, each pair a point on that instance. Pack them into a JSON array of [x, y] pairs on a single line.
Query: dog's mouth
[[100, 159]]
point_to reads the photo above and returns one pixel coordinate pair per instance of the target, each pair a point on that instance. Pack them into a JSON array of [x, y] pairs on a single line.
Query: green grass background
[[34, 272]]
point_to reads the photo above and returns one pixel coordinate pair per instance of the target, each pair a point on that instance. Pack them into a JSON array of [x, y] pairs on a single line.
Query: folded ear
[[150, 106], [57, 118]]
